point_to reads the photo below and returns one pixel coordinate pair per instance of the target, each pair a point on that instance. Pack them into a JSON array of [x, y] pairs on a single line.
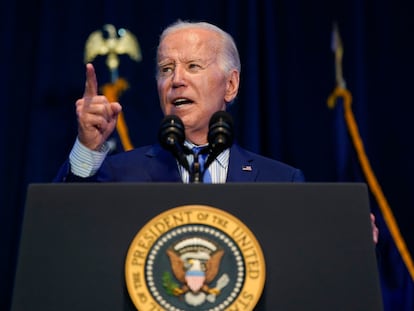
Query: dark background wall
[[281, 112]]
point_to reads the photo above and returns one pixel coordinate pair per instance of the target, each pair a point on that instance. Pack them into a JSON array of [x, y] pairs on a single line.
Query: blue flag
[[395, 264]]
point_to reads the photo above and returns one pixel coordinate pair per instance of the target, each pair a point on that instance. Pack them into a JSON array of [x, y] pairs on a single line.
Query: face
[[191, 83]]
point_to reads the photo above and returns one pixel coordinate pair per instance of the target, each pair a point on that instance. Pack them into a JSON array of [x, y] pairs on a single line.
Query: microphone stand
[[196, 172], [171, 136], [220, 137]]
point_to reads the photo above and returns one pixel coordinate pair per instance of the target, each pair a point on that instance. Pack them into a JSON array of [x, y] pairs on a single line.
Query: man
[[198, 74]]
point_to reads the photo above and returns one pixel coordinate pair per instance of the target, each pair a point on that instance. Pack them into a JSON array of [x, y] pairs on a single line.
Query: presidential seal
[[195, 257]]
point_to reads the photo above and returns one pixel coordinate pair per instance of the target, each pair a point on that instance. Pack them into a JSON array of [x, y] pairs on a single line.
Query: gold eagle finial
[[114, 44]]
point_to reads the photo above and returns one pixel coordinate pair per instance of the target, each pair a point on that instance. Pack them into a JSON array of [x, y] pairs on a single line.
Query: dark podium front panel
[[316, 239]]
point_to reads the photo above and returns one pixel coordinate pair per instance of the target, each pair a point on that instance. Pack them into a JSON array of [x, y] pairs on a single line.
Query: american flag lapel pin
[[247, 168]]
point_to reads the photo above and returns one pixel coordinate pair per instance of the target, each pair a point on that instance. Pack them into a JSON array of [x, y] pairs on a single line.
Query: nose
[[178, 77]]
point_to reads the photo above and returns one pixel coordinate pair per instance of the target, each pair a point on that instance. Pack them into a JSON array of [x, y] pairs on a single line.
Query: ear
[[232, 86]]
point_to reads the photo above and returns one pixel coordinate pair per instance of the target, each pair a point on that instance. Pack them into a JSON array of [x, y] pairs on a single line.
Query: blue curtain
[[281, 112]]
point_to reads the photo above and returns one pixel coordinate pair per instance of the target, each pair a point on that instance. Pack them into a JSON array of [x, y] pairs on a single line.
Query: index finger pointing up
[[91, 84]]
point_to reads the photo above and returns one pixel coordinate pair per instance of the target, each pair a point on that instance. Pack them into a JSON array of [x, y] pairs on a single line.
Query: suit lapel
[[163, 166], [241, 166]]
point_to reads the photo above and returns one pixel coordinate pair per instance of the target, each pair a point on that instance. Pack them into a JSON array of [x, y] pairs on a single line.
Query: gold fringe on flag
[[374, 186], [112, 91]]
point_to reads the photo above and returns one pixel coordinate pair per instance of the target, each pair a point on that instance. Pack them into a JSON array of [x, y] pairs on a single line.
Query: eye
[[166, 69], [194, 67]]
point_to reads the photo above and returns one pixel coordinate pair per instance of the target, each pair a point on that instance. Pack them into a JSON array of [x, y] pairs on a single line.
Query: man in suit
[[198, 74]]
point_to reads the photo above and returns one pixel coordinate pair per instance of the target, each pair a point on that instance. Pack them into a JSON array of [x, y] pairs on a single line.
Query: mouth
[[181, 101]]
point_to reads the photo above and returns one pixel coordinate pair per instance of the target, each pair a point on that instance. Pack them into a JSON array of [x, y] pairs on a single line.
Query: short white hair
[[229, 55]]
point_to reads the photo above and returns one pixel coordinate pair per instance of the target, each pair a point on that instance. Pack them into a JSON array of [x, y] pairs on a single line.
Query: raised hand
[[96, 115]]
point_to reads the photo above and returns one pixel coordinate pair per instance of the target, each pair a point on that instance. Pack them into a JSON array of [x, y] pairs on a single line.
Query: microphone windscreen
[[171, 132], [221, 117], [220, 135]]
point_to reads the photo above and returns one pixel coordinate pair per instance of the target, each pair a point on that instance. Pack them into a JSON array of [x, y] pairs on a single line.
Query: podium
[[316, 239]]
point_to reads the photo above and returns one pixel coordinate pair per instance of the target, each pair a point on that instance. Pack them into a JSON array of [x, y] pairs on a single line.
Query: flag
[[395, 264]]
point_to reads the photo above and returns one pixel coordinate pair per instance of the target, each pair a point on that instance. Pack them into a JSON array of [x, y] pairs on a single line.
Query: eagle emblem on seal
[[195, 263]]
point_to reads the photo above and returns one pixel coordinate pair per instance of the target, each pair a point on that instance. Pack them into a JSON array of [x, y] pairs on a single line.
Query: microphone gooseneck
[[220, 134], [171, 136]]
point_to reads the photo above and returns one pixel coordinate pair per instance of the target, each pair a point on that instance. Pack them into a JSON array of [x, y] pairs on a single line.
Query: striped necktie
[[202, 157]]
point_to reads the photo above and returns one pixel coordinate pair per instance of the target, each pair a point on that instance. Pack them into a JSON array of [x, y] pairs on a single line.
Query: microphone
[[220, 134], [171, 136]]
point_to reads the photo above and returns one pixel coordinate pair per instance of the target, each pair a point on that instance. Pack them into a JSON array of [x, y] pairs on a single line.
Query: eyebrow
[[168, 61]]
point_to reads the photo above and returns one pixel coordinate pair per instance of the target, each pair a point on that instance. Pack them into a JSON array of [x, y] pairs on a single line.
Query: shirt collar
[[222, 158]]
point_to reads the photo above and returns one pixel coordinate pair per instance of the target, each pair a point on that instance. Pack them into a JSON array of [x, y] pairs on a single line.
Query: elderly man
[[198, 75]]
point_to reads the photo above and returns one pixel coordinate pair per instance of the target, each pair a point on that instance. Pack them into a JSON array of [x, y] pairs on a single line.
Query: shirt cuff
[[85, 162]]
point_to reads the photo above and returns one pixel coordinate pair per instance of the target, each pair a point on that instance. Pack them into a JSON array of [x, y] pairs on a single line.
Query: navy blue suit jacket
[[154, 164]]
